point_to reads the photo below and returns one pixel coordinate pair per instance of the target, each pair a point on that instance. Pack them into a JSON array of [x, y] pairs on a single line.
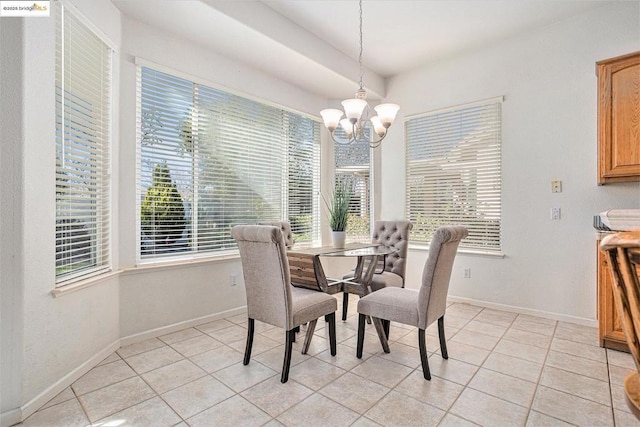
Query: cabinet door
[[609, 327], [619, 119]]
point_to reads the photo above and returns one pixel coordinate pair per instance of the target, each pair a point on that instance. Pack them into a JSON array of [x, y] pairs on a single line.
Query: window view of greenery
[[352, 169], [210, 160], [82, 150], [454, 173]]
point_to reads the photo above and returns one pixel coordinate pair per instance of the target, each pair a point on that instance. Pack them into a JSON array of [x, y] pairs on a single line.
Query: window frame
[[473, 248]]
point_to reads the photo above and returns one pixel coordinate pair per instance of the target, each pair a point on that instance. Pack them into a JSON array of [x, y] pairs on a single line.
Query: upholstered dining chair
[[418, 308], [285, 227], [271, 298], [394, 235], [623, 252]]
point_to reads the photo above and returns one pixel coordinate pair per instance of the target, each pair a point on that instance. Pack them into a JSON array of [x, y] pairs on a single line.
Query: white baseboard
[[10, 418], [37, 402], [520, 310], [154, 333]]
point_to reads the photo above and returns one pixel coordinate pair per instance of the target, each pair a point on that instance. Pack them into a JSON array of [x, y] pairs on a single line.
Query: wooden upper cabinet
[[619, 119]]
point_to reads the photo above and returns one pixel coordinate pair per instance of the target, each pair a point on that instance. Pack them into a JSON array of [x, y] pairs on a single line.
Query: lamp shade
[[347, 126], [387, 113], [353, 108], [331, 118], [378, 127]]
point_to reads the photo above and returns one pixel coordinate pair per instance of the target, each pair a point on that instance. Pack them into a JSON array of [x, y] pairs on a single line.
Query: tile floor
[[503, 369]]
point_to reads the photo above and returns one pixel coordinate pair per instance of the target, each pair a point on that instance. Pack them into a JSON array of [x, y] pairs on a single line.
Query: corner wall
[[549, 132]]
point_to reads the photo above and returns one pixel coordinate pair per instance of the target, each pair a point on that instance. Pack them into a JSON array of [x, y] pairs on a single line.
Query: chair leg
[[381, 334], [345, 305], [288, 346], [386, 324], [307, 339], [361, 321], [331, 319], [423, 354], [295, 331], [443, 341], [247, 349]]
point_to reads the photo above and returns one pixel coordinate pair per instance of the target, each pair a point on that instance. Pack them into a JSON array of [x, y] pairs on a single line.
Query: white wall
[[549, 132], [158, 297]]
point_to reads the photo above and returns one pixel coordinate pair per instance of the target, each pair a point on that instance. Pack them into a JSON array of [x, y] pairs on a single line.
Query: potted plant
[[339, 213]]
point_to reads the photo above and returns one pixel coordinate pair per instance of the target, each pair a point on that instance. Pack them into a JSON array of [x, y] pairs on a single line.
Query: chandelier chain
[[360, 55]]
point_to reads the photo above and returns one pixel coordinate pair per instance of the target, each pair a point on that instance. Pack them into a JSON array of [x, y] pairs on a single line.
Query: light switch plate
[[555, 213]]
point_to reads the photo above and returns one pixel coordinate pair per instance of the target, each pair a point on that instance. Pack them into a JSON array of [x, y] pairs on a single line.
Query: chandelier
[[358, 114]]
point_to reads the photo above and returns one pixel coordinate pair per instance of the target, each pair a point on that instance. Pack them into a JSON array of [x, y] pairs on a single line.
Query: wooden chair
[[623, 251], [271, 298]]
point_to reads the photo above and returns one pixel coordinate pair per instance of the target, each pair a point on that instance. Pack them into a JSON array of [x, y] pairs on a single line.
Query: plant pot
[[338, 238]]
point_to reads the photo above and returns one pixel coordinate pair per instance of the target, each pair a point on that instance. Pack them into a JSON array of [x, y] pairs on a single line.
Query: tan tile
[[503, 386], [521, 351], [115, 398], [466, 353], [487, 410], [230, 334], [171, 376], [365, 422], [463, 311], [153, 359], [618, 398], [451, 420], [66, 414], [589, 337], [275, 357], [451, 369], [577, 349], [194, 397], [621, 359], [233, 412], [382, 371], [449, 330], [533, 326], [513, 366], [529, 338], [571, 409], [537, 319], [218, 358], [348, 391], [496, 317], [240, 377], [240, 319], [153, 412], [317, 346], [578, 365], [437, 392], [112, 358], [217, 325], [625, 419], [288, 394], [196, 345], [618, 374], [578, 385], [411, 339], [318, 411], [485, 328], [475, 339], [397, 409], [345, 357], [315, 373], [536, 419], [102, 376], [182, 335], [403, 354], [140, 347], [63, 396]]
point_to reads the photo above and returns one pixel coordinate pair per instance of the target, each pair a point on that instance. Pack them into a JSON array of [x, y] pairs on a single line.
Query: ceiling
[[314, 44]]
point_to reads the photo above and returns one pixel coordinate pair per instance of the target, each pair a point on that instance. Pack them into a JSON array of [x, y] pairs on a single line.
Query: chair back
[[285, 227], [623, 251], [432, 299], [395, 235], [266, 274]]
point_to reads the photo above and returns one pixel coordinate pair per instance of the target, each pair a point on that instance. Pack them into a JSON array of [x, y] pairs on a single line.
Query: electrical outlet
[[467, 273], [555, 213], [556, 186], [233, 279]]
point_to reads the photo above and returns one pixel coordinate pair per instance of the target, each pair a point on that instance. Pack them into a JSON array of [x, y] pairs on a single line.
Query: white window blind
[[454, 173], [83, 103], [353, 166], [209, 160]]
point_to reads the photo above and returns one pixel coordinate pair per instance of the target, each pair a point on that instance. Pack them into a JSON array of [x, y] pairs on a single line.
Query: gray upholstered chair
[[271, 298], [285, 227], [418, 308], [392, 234]]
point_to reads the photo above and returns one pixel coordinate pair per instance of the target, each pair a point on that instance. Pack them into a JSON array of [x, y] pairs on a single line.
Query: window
[[353, 167], [209, 159], [83, 106], [454, 173]]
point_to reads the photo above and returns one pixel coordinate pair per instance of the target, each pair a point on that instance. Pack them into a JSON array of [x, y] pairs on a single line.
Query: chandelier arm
[[349, 141]]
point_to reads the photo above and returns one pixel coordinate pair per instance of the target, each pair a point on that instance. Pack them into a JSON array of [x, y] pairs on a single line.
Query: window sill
[[184, 263], [83, 284], [425, 248]]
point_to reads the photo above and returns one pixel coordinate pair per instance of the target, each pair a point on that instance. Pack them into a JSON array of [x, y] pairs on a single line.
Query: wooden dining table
[[306, 269]]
